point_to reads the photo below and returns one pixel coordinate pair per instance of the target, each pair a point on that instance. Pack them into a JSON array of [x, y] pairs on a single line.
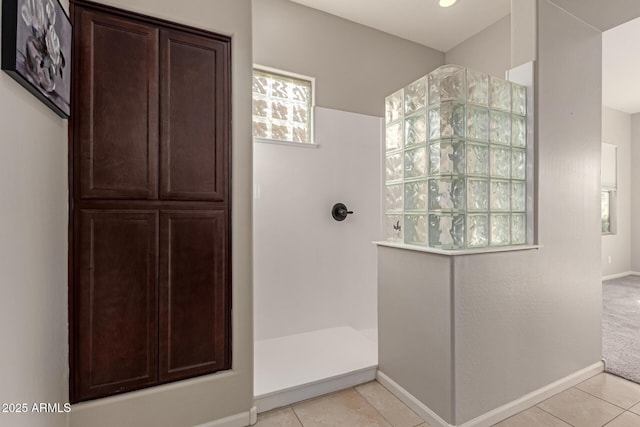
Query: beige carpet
[[621, 327]]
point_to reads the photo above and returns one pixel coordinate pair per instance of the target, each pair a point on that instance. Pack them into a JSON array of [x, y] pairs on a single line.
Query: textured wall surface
[[33, 255], [488, 51]]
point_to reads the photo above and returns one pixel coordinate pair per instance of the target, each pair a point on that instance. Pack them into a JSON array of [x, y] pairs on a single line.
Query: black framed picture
[[36, 50]]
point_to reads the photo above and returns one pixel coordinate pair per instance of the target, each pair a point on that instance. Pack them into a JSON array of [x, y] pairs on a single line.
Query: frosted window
[[282, 107]]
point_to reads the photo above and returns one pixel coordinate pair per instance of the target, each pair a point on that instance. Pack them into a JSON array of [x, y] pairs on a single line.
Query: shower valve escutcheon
[[339, 212]]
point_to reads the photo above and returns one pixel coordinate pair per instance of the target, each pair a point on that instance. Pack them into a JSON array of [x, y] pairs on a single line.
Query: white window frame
[[312, 143]]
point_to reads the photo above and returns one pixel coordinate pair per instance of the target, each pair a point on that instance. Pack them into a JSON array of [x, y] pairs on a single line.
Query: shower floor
[[298, 367]]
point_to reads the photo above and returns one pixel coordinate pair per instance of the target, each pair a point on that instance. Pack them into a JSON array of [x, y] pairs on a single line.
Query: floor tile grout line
[[605, 400], [553, 415], [371, 404], [296, 415], [376, 409], [614, 418]]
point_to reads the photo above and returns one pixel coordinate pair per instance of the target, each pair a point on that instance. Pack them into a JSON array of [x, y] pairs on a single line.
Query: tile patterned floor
[[604, 400]]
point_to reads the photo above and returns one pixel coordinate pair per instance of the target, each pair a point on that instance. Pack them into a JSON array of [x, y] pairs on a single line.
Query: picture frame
[[36, 50]]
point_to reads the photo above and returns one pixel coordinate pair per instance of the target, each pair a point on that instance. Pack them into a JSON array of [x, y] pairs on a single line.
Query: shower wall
[[312, 272]]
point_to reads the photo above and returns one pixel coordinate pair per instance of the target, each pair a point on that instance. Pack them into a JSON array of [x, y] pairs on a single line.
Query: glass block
[[518, 196], [518, 229], [280, 110], [477, 123], [415, 196], [260, 107], [518, 99], [518, 131], [393, 106], [477, 231], [415, 229], [300, 93], [280, 88], [446, 194], [446, 231], [500, 162], [500, 195], [260, 128], [446, 121], [518, 164], [477, 194], [500, 229], [393, 228], [477, 159], [299, 113], [500, 128], [260, 84], [393, 140], [416, 130], [446, 84], [300, 134], [280, 132], [415, 162], [393, 167], [477, 87], [393, 201], [415, 96], [499, 94], [446, 158]]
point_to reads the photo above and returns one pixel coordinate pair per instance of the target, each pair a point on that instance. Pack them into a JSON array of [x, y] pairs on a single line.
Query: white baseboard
[[496, 415], [412, 402], [619, 275], [243, 419], [286, 397]]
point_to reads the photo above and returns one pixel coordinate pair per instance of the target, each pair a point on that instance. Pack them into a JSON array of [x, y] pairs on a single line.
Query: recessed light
[[447, 3]]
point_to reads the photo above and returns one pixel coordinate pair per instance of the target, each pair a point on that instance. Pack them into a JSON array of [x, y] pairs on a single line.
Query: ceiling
[[426, 23], [421, 21], [621, 67]]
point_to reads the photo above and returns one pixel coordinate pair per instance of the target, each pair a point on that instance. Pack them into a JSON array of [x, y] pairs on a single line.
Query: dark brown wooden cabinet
[[193, 168], [150, 294], [117, 119], [189, 304]]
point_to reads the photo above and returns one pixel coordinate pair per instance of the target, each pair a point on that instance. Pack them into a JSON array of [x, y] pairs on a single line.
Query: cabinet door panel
[[194, 311], [118, 114], [117, 297], [195, 116]]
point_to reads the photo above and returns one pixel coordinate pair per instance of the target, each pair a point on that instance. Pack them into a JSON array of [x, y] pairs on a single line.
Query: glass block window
[[282, 106], [456, 161]]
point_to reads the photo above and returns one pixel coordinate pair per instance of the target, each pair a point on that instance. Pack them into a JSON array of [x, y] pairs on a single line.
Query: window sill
[[289, 143], [457, 251]]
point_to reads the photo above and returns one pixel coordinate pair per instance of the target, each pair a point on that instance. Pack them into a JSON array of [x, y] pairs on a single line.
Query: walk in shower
[[315, 307]]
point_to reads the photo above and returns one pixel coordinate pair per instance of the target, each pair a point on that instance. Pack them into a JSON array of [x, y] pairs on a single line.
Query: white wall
[[312, 272], [523, 320], [355, 66], [228, 393], [488, 51], [616, 130], [33, 255], [635, 192]]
